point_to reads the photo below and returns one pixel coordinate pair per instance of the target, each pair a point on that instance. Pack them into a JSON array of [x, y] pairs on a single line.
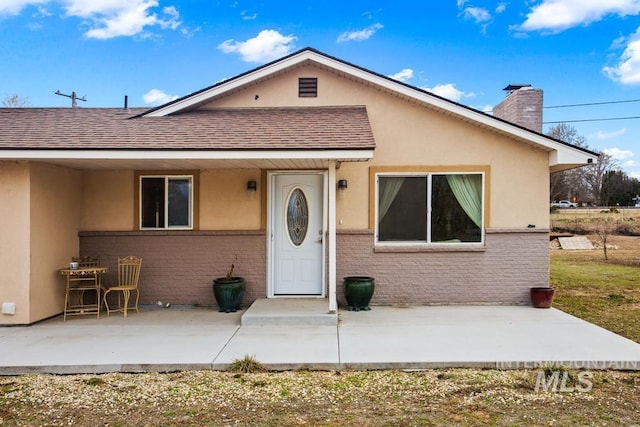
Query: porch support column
[[331, 238]]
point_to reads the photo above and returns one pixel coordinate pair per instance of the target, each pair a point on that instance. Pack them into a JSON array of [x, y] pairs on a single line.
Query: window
[[429, 208], [166, 202]]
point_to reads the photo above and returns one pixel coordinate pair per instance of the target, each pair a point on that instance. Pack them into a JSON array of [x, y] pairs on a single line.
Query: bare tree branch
[[15, 101]]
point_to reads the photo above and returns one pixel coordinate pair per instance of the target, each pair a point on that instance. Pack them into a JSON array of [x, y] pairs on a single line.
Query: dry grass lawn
[[451, 397]]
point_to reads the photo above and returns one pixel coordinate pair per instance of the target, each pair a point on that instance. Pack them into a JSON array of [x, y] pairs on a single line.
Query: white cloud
[[635, 175], [248, 17], [618, 154], [449, 91], [488, 108], [109, 18], [478, 14], [266, 46], [157, 97], [630, 164], [627, 71], [42, 12], [126, 18], [404, 75], [559, 15], [609, 135], [360, 35], [14, 7]]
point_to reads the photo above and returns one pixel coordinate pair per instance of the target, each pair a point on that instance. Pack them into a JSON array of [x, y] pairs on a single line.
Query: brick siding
[[178, 267], [511, 263], [522, 107]]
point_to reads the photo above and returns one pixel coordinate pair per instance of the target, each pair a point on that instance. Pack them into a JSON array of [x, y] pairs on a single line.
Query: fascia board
[[570, 156], [184, 155]]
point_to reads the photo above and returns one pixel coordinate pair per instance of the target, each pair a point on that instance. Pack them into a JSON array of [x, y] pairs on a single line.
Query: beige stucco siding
[[409, 134], [56, 200], [107, 200], [39, 219], [225, 203], [14, 244]]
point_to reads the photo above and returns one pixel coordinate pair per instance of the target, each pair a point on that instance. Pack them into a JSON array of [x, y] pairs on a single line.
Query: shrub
[[246, 365]]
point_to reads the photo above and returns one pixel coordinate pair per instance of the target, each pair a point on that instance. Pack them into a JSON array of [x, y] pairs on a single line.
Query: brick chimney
[[522, 106]]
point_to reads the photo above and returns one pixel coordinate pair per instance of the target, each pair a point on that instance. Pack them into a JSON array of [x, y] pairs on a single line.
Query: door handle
[[319, 240]]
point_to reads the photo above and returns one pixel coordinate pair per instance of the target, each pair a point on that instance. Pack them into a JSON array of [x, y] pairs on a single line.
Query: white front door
[[297, 218]]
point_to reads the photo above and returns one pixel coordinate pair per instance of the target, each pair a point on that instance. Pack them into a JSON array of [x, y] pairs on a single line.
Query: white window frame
[[166, 225], [427, 243]]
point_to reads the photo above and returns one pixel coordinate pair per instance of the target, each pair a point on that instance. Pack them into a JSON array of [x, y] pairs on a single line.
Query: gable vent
[[308, 87]]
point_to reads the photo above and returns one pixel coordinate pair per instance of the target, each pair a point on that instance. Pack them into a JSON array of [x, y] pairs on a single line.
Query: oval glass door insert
[[297, 216]]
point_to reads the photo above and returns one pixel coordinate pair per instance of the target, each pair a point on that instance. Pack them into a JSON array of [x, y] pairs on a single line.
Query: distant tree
[[618, 189], [567, 133], [15, 101], [594, 176], [569, 184], [636, 187], [583, 184]]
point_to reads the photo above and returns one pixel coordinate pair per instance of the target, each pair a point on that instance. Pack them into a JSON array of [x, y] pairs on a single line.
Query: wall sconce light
[[252, 186], [342, 188]]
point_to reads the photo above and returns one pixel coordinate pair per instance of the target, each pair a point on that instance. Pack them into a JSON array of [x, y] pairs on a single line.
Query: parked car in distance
[[564, 204]]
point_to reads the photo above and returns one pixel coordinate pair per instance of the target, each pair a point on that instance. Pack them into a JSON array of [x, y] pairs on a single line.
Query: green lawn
[[604, 293]]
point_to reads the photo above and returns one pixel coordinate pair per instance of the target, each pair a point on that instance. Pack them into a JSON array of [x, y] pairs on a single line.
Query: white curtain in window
[[468, 192], [387, 192]]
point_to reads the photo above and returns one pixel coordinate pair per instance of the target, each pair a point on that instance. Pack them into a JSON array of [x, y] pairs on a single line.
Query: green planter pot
[[542, 297], [228, 293], [358, 291]]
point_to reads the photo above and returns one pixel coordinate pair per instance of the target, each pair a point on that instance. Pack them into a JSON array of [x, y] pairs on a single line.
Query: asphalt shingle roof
[[309, 128]]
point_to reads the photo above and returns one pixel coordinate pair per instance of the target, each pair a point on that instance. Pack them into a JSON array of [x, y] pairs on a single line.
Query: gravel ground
[[347, 398]]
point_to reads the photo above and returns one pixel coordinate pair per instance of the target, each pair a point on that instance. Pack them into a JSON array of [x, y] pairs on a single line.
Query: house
[[299, 172]]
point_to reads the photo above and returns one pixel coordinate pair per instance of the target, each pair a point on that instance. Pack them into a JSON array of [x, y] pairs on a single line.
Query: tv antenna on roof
[[73, 97]]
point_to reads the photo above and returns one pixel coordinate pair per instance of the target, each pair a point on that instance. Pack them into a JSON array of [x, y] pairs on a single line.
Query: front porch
[[289, 312], [387, 337]]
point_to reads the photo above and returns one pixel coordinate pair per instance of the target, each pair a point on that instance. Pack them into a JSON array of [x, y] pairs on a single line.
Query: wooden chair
[[128, 274]]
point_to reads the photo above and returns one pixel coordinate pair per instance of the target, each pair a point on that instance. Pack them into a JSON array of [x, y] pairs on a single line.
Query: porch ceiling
[[195, 163]]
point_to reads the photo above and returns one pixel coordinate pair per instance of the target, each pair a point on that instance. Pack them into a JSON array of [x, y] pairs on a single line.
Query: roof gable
[[562, 154]]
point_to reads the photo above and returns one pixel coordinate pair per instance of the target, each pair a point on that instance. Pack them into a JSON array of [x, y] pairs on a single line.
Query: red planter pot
[[542, 297]]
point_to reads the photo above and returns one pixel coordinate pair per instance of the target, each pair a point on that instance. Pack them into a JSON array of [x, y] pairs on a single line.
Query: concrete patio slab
[[479, 336], [154, 340], [284, 347], [159, 339]]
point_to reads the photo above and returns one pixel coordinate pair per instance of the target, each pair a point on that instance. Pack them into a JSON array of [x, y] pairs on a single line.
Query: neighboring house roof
[[311, 128]]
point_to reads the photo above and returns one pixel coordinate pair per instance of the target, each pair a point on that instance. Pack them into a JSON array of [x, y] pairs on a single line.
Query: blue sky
[[577, 51]]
